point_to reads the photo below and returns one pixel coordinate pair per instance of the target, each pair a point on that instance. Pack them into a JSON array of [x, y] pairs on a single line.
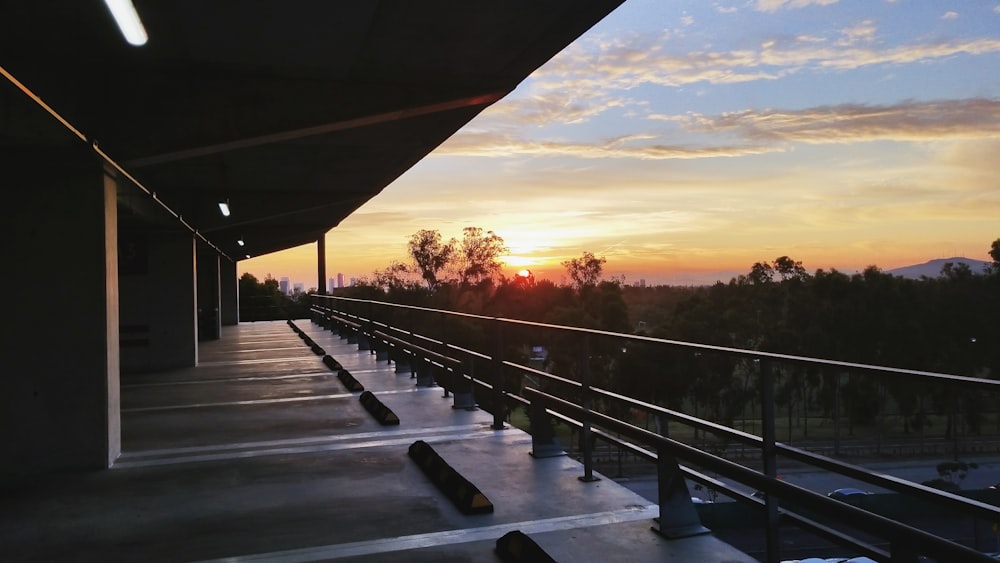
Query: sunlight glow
[[519, 261], [840, 134]]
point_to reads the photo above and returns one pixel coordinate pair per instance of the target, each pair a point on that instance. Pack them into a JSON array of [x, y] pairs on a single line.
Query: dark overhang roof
[[297, 112]]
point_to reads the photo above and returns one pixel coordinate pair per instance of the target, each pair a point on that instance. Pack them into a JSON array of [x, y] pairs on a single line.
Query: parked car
[[846, 493]]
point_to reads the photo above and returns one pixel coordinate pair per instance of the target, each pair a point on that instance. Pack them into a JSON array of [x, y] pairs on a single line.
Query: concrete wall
[[59, 407], [159, 316], [230, 288], [209, 294]]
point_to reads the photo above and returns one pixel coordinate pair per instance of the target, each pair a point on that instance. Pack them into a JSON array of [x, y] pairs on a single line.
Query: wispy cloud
[[863, 32], [849, 123], [775, 5], [950, 16], [487, 144], [643, 60], [761, 131]]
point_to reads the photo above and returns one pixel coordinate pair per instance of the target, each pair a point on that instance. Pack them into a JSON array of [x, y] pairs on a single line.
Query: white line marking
[[248, 350], [230, 379], [295, 441], [247, 454], [449, 537], [240, 403], [303, 357]]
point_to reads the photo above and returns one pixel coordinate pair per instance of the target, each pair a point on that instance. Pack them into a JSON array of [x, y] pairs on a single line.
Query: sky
[[685, 140]]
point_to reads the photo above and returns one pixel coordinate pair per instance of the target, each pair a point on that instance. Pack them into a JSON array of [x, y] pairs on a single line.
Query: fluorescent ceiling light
[[128, 21], [224, 208], [240, 242]]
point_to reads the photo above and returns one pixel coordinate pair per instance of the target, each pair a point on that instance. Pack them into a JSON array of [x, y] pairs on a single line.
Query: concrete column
[[321, 264], [229, 287], [59, 406], [159, 305], [209, 294]]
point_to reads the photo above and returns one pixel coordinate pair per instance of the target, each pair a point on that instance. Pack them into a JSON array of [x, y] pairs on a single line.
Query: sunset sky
[[686, 140]]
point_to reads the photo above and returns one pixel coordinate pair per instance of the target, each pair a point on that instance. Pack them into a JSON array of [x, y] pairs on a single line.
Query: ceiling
[[296, 112]]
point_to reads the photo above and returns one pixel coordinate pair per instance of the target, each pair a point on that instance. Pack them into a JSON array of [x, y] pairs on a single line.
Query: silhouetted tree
[[479, 255], [584, 271], [430, 254]]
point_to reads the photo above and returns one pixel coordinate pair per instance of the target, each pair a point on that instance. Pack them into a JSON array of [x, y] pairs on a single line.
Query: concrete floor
[[260, 453]]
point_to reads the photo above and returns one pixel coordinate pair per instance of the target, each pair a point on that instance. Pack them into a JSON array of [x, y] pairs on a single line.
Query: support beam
[[321, 264], [209, 295], [229, 284], [283, 136], [59, 409]]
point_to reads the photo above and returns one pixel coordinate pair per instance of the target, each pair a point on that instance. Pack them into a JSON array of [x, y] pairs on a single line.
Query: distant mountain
[[932, 269]]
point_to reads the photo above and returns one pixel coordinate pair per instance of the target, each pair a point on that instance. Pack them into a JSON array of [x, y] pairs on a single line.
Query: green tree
[[260, 301]]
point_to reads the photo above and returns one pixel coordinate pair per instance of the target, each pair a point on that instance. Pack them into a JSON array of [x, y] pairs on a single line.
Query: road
[[798, 544], [985, 474]]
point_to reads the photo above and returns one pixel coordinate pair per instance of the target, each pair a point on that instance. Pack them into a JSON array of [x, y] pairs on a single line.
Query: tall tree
[[760, 273], [585, 271], [789, 269], [479, 255], [430, 254]]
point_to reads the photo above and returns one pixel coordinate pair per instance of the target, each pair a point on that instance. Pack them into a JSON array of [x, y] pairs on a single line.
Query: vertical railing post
[[543, 438], [836, 414], [367, 328], [498, 393], [443, 350], [769, 455], [585, 435], [956, 417]]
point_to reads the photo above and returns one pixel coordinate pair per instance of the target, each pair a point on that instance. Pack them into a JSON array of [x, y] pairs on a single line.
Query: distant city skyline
[[686, 140]]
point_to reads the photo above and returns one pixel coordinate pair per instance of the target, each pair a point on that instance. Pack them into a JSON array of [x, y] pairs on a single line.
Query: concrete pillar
[[229, 286], [159, 306], [209, 294], [321, 264], [59, 406]]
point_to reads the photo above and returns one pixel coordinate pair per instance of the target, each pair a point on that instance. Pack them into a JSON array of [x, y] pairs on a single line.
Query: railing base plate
[[679, 532]]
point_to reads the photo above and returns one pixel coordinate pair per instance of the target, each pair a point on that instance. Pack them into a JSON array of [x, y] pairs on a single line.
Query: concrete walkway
[[260, 453]]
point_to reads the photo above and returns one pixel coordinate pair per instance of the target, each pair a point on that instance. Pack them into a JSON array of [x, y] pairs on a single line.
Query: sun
[[524, 273]]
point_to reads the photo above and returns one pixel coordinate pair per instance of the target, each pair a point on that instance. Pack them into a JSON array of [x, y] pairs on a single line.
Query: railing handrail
[[581, 415], [929, 543], [725, 350]]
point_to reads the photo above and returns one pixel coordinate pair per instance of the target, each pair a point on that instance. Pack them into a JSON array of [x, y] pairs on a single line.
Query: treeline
[[466, 276], [262, 300], [948, 324]]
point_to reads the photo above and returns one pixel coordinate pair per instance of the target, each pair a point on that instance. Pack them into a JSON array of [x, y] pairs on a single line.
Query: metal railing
[[484, 362]]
